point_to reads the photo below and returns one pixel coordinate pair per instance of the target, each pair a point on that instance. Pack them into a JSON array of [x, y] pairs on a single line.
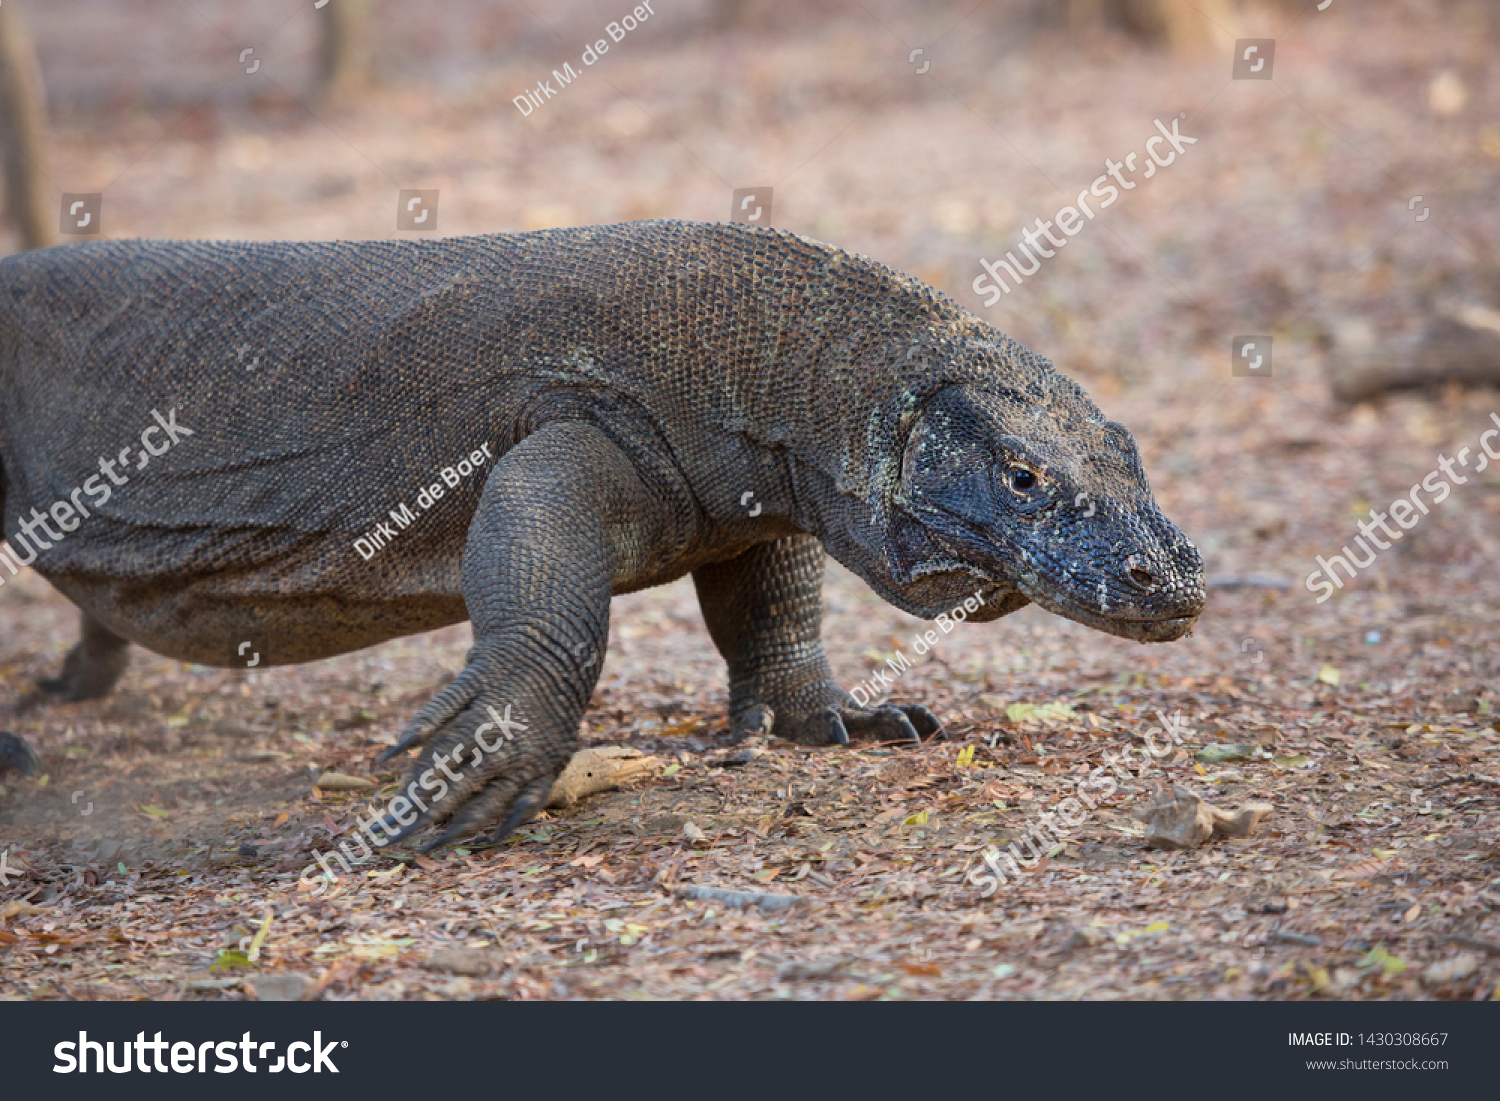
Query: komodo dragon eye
[[1021, 479]]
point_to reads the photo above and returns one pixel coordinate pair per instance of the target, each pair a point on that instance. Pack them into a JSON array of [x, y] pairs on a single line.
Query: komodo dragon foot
[[17, 756], [93, 665], [764, 610]]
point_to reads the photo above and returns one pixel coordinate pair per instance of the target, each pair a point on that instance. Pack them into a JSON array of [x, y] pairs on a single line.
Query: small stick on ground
[[595, 770]]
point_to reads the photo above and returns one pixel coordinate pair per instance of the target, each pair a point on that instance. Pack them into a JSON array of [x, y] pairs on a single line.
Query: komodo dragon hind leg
[[764, 610], [93, 666], [16, 755], [558, 512]]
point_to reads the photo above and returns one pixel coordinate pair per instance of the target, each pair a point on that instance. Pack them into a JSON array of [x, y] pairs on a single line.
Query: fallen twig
[[1464, 941], [1247, 581], [1449, 780], [738, 900], [1461, 344], [595, 770], [1296, 938]]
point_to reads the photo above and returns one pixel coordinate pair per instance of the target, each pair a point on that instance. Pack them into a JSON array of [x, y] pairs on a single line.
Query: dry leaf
[[1458, 968], [1363, 870], [1178, 819]]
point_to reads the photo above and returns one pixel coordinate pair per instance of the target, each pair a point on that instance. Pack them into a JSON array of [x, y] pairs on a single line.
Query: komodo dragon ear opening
[[947, 436]]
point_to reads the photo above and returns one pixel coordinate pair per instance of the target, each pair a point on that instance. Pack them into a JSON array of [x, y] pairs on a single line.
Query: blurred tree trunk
[[728, 13], [23, 132], [1179, 24], [1182, 25], [343, 49]]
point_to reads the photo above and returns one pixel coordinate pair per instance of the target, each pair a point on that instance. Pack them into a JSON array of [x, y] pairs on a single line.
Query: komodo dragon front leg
[[562, 515], [764, 610]]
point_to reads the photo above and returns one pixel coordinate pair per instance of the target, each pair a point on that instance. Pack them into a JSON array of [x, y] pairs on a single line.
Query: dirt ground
[[166, 839]]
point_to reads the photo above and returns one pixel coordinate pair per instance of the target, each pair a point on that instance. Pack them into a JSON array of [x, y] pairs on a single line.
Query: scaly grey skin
[[646, 401]]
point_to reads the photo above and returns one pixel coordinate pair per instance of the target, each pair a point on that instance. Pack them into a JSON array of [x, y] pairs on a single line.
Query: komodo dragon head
[[1021, 488]]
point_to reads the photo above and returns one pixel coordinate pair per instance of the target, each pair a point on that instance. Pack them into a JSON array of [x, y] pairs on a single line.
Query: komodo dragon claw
[[907, 723], [901, 722]]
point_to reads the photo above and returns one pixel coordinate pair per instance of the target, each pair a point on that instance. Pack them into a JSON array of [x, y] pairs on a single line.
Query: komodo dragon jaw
[[1049, 499]]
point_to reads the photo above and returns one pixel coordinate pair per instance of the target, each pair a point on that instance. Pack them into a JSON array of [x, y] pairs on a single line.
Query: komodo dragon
[[602, 409]]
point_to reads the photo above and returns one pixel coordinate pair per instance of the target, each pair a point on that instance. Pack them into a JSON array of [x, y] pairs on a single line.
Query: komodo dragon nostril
[[1139, 574]]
